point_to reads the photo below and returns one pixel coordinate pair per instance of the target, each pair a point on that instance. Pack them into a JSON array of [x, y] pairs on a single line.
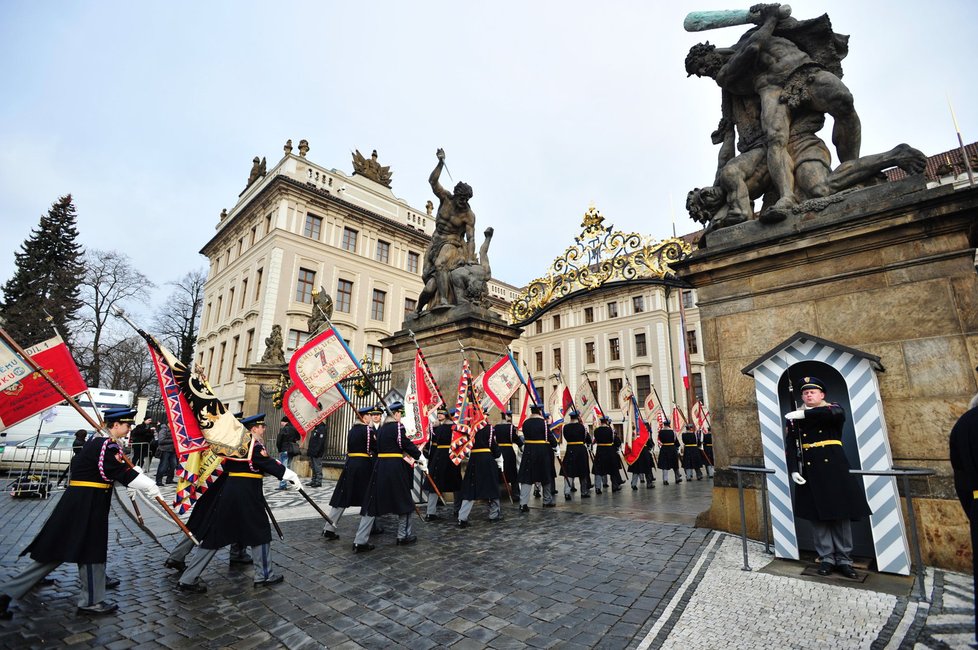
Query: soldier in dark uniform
[[668, 453], [606, 461], [644, 465], [506, 436], [707, 442], [351, 488], [537, 465], [390, 484], [576, 464], [446, 474], [825, 493], [78, 529], [692, 458], [481, 480], [238, 514], [964, 462]]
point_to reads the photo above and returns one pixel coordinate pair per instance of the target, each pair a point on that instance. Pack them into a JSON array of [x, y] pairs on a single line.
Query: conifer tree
[[44, 290]]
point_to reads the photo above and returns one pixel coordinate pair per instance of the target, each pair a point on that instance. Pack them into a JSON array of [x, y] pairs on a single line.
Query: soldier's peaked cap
[[124, 414], [253, 420], [812, 382]]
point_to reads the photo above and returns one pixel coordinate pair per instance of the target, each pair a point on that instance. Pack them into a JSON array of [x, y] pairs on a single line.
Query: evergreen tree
[[47, 279]]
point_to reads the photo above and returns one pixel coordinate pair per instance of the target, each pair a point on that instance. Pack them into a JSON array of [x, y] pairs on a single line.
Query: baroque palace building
[[298, 227]]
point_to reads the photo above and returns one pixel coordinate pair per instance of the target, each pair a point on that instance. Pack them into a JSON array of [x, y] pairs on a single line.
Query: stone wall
[[888, 270]]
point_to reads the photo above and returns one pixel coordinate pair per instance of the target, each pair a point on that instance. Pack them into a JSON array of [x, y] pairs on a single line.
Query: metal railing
[[763, 471], [904, 473]]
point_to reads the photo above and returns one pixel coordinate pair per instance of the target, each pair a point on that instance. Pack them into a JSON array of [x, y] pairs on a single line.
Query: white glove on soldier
[[500, 463], [146, 484], [292, 478], [798, 478], [557, 453], [422, 464], [139, 470], [795, 415]]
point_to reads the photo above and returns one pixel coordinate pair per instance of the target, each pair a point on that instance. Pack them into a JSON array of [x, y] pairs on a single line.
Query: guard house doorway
[[836, 391]]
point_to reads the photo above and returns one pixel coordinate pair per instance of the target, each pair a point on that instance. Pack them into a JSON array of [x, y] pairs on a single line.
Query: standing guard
[[692, 457], [351, 488], [537, 465], [390, 484], [78, 529], [481, 476], [576, 463], [446, 474], [506, 436], [668, 453], [239, 513], [606, 460], [706, 441]]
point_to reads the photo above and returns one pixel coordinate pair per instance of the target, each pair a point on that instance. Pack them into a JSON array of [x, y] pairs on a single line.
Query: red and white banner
[[501, 381], [303, 415], [320, 364], [587, 403], [701, 415], [426, 395], [33, 394], [469, 417]]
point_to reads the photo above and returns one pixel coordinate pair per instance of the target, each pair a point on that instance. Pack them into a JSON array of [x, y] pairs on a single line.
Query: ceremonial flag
[[652, 410], [701, 415], [321, 363], [12, 367], [625, 395], [678, 420], [556, 409], [501, 381], [641, 432], [426, 395], [587, 403], [305, 416], [683, 352], [524, 409], [469, 417], [33, 393]]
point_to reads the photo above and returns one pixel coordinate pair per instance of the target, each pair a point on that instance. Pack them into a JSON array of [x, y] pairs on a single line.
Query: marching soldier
[[351, 488], [390, 484], [481, 476], [239, 513], [78, 529], [537, 465], [707, 443], [446, 474], [825, 492], [606, 461], [668, 453], [506, 436], [576, 463], [692, 458]]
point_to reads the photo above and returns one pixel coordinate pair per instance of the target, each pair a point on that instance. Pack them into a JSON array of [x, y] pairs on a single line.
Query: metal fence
[[339, 423]]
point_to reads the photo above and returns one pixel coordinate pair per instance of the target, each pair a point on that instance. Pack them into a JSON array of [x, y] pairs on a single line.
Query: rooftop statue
[[370, 168], [777, 84]]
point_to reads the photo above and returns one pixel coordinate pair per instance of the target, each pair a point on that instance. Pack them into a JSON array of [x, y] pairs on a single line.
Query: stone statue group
[[777, 84]]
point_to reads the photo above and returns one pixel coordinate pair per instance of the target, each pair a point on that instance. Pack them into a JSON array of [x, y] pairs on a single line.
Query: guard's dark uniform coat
[[78, 529], [361, 449], [506, 436], [606, 460], [964, 461], [708, 448], [203, 510], [830, 491], [644, 464], [668, 449], [446, 474], [537, 465], [692, 458], [576, 463], [390, 484], [481, 480], [239, 515]]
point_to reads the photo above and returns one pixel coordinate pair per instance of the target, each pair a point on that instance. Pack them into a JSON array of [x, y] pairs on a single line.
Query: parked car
[[50, 452]]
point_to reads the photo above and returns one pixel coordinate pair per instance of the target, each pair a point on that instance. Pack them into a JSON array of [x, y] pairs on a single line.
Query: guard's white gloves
[[500, 463], [144, 483], [798, 478], [795, 415], [292, 478], [422, 464], [139, 470]]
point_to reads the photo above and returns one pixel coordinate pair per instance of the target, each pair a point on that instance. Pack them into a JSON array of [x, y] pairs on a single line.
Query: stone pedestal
[[439, 334], [256, 377], [889, 270]]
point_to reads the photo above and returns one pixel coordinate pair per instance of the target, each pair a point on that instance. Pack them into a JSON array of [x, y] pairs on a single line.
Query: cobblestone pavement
[[625, 570]]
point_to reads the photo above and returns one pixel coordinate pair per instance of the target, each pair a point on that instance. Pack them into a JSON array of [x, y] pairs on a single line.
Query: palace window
[[589, 352], [539, 357], [378, 304], [589, 314], [314, 227], [691, 346], [556, 321], [413, 262], [614, 386], [383, 251], [304, 285], [350, 239], [638, 304], [344, 296], [640, 349], [614, 349], [612, 310]]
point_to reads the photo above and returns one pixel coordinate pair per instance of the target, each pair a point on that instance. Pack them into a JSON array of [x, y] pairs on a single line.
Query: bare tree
[[178, 321], [110, 281], [126, 365]]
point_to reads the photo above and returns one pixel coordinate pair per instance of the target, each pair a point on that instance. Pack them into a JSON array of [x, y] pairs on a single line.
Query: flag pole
[[964, 154], [61, 391], [427, 368]]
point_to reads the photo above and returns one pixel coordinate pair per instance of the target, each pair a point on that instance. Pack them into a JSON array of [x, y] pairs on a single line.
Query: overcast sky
[[149, 113]]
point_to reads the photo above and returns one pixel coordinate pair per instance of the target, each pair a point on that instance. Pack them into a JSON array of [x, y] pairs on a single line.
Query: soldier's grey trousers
[[466, 509], [649, 478], [833, 541], [334, 516], [199, 559], [665, 474], [404, 528], [91, 577], [526, 488], [182, 550]]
